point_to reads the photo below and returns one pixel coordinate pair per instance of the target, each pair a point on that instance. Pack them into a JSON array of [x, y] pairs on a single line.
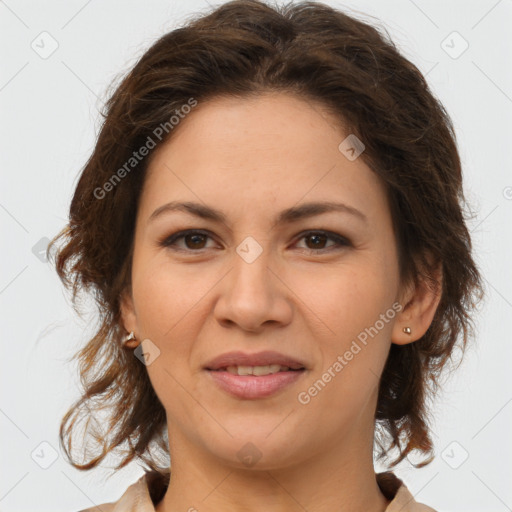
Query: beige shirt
[[137, 497]]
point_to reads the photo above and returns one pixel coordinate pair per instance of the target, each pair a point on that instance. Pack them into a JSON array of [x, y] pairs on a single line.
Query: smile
[[241, 382]]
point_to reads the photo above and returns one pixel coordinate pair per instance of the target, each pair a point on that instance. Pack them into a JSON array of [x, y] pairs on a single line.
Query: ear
[[129, 317], [420, 302]]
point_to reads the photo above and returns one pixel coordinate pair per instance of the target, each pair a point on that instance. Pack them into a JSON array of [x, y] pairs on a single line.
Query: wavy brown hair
[[244, 48]]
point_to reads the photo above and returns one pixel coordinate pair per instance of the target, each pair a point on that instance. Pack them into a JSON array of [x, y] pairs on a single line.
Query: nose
[[254, 294]]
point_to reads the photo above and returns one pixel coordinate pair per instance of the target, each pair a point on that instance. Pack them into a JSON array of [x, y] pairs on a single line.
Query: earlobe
[[421, 302]]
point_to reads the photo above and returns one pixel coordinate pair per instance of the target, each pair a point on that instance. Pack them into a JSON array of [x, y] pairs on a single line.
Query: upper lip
[[257, 359]]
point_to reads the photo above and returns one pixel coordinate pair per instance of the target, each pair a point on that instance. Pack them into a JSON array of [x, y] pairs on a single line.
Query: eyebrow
[[288, 216]]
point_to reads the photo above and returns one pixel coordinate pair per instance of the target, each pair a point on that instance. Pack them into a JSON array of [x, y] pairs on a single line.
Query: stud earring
[[407, 330], [130, 341]]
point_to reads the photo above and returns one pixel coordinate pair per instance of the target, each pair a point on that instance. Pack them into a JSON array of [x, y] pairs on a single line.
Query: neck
[[339, 478]]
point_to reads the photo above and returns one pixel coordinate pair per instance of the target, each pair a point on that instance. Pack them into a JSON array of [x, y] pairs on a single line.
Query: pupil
[[194, 237], [313, 237]]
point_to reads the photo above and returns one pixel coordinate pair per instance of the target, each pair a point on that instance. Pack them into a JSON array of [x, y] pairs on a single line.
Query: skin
[[304, 297]]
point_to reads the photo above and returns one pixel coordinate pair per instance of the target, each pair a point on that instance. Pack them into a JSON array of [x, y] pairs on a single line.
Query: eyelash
[[340, 241]]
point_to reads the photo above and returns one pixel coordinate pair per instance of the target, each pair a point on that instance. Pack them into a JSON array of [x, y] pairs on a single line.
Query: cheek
[[353, 341], [348, 298], [166, 297], [354, 304], [170, 313]]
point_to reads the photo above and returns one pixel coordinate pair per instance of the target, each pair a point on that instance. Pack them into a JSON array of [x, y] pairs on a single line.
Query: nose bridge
[[251, 267], [252, 295]]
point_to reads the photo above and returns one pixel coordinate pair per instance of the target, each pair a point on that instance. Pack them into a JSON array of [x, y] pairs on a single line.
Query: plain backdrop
[[57, 59]]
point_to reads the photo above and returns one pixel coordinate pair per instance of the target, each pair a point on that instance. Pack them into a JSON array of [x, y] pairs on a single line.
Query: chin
[[260, 451]]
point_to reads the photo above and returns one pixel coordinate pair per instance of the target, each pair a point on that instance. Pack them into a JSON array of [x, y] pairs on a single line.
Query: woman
[[271, 223]]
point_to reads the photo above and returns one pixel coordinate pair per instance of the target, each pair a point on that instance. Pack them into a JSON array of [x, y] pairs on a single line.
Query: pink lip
[[258, 359], [251, 386]]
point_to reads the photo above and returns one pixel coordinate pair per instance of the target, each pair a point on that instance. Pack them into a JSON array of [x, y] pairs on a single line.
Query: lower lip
[[250, 386]]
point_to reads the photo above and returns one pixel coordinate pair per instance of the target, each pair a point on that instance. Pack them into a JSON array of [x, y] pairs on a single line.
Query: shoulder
[[135, 498], [401, 498]]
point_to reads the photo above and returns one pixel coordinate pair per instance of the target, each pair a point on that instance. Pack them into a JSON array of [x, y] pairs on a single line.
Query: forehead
[[256, 152], [267, 124]]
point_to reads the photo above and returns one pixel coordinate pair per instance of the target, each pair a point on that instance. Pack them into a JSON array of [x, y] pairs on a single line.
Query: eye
[[319, 238], [195, 240]]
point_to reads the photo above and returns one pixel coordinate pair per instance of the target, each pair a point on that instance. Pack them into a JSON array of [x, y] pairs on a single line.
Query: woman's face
[[320, 288]]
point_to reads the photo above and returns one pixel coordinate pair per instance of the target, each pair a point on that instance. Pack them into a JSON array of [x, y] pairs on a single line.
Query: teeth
[[256, 370]]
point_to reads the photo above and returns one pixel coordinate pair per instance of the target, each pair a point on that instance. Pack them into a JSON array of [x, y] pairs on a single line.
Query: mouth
[[260, 363], [255, 382], [257, 371], [257, 375]]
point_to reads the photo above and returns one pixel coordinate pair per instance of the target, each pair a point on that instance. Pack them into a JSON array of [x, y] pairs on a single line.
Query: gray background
[[49, 121]]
